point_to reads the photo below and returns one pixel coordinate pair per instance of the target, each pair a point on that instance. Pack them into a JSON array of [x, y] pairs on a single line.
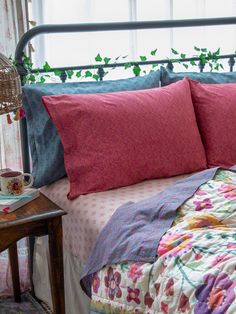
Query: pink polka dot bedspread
[[87, 214]]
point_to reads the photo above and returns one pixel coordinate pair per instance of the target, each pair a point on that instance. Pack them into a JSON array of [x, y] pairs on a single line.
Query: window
[[77, 49]]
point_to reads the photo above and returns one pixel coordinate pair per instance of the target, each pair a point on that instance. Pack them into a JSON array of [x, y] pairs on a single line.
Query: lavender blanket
[[135, 229]]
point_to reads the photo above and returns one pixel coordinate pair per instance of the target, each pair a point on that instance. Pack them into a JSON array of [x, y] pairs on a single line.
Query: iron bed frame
[[95, 27]]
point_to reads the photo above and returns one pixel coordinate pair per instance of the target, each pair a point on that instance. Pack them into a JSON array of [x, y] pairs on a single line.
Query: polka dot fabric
[[47, 155], [88, 214]]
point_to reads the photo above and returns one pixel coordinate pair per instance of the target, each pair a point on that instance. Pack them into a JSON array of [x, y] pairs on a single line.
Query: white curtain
[[75, 49], [12, 26]]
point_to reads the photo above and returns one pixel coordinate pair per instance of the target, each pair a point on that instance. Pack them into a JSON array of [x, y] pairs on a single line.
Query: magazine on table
[[9, 203]]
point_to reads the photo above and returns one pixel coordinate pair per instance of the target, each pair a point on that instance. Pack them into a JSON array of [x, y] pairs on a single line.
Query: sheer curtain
[[72, 49], [12, 26]]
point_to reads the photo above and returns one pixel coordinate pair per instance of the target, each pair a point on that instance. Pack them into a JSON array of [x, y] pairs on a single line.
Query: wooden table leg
[[56, 265], [13, 257], [31, 243]]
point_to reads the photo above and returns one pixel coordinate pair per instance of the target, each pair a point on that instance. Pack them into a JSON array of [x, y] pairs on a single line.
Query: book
[[9, 203]]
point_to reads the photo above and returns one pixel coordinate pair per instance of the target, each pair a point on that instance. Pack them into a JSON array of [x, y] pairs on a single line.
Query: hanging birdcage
[[10, 86]]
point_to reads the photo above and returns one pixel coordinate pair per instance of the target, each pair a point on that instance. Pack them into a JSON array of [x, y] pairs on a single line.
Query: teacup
[[13, 183]]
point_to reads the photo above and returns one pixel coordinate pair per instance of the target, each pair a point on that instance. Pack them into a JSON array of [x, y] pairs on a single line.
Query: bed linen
[[133, 140], [215, 110], [195, 268], [169, 77], [45, 144], [86, 217]]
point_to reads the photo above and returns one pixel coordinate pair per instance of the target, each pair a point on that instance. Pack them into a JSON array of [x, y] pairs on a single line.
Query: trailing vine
[[205, 57]]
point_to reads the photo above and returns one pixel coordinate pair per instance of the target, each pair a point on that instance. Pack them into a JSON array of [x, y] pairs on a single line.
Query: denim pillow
[[45, 145], [168, 77]]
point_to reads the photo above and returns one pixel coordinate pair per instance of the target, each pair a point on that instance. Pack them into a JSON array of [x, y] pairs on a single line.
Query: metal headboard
[[95, 27]]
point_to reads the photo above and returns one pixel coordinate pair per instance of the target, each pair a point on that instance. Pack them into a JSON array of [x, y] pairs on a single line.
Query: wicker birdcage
[[10, 86]]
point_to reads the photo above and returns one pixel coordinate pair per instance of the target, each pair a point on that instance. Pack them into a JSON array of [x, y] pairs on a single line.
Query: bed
[[183, 278]]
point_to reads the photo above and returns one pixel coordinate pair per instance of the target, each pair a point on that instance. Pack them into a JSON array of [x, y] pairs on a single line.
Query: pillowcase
[[168, 77], [45, 145], [117, 139], [215, 107]]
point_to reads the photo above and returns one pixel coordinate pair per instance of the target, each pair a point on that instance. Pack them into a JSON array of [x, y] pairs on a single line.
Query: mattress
[[88, 214]]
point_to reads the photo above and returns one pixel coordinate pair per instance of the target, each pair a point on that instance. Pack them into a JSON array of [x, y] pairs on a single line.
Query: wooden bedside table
[[37, 218]]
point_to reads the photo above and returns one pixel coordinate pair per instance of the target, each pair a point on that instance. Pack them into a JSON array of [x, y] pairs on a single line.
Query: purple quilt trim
[[135, 229]]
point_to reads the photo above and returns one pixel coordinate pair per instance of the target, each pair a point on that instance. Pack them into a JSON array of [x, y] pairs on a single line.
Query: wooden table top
[[40, 208]]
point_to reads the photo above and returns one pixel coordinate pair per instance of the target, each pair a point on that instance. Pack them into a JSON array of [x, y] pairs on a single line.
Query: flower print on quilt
[[195, 268]]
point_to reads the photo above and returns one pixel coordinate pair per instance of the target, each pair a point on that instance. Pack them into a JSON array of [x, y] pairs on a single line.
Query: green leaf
[[192, 62], [27, 62], [155, 65], [57, 72], [143, 58], [174, 51], [70, 73], [32, 78], [185, 65], [136, 70], [221, 66], [204, 49], [79, 73], [88, 73], [124, 57], [98, 58], [153, 52], [215, 57], [106, 60], [202, 58], [117, 58], [127, 65], [96, 77], [196, 48], [46, 67], [26, 59], [42, 80], [173, 60], [182, 55], [217, 52]]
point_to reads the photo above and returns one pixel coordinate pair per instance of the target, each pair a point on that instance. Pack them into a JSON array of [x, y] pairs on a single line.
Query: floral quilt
[[195, 271]]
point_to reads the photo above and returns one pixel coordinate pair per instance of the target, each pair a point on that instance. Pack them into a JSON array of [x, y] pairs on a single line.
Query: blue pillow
[[168, 77], [45, 145]]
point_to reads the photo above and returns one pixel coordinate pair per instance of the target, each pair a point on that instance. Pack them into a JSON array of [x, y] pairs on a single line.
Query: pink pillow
[[121, 138], [215, 107]]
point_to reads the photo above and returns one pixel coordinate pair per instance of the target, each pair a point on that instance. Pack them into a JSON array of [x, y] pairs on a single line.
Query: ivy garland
[[205, 57]]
